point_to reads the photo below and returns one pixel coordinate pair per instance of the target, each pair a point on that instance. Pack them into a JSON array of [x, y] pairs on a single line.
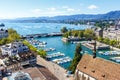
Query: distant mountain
[[78, 17]]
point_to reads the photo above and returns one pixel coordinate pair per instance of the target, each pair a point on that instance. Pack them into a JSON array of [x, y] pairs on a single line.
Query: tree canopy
[[76, 59], [64, 29], [12, 36], [40, 52]]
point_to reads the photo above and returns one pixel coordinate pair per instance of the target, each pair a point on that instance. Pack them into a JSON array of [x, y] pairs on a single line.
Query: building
[[90, 68], [112, 34], [98, 32], [117, 24], [14, 48], [20, 75], [3, 32], [32, 73]]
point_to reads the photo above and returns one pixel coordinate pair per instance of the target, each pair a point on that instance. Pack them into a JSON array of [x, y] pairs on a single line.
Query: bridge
[[42, 35]]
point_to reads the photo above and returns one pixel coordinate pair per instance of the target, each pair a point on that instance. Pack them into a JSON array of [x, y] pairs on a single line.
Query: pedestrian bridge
[[43, 35]]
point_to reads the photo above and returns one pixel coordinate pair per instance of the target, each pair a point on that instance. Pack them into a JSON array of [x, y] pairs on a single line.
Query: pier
[[42, 35]]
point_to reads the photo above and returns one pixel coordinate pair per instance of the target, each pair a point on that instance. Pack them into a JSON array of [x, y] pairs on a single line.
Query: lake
[[52, 42]]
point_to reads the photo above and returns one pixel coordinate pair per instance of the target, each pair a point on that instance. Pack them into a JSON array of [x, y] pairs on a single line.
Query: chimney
[[94, 50]]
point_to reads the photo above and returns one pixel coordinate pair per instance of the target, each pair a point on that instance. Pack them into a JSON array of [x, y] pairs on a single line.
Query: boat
[[55, 55], [49, 49], [62, 60], [109, 53], [100, 52], [116, 59]]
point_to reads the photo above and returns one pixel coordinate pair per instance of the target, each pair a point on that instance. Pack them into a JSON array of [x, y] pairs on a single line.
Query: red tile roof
[[99, 68]]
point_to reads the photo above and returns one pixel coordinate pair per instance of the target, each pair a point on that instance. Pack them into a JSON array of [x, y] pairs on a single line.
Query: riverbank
[[55, 69]]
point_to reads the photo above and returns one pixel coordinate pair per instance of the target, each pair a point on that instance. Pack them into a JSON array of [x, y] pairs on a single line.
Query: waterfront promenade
[[58, 71]]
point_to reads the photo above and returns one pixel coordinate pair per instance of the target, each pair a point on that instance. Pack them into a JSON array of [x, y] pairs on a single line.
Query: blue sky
[[35, 8]]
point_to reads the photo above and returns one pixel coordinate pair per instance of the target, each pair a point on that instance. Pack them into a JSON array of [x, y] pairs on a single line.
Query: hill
[[110, 15]]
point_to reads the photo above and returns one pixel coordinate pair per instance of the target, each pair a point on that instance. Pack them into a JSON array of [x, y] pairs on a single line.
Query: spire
[[94, 50], [2, 25]]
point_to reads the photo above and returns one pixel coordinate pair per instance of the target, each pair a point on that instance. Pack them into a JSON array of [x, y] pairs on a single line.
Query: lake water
[[52, 42], [33, 28]]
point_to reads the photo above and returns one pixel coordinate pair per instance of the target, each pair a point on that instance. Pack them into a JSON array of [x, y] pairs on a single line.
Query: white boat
[[100, 52], [53, 55], [62, 60]]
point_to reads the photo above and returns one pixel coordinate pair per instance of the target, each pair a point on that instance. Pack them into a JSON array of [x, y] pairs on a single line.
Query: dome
[[20, 76]]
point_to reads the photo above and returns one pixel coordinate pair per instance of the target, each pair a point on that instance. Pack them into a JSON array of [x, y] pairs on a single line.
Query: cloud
[[92, 7], [36, 10], [70, 9], [52, 9]]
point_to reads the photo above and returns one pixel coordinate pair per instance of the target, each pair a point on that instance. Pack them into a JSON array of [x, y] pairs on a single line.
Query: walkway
[[58, 71]]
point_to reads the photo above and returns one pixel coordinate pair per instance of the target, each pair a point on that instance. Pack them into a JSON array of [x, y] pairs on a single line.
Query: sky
[[38, 8]]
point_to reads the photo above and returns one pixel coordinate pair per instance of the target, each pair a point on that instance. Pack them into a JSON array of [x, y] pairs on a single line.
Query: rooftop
[[99, 68]]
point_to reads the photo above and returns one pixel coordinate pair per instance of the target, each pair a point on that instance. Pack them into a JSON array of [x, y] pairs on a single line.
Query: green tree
[[106, 41], [42, 53], [80, 34], [12, 36], [75, 34], [76, 59], [113, 42], [88, 33], [31, 47], [64, 29], [100, 39]]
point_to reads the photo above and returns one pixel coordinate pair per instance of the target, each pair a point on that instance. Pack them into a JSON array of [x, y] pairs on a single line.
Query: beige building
[[112, 34], [90, 68], [98, 32]]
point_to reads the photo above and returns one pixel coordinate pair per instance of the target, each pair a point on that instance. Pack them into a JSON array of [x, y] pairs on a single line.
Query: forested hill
[[107, 16]]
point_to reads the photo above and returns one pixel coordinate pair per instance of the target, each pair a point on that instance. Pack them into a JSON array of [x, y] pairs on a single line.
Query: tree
[[76, 58], [31, 47], [12, 36], [88, 33], [42, 53], [75, 34], [100, 39], [106, 40], [113, 42], [80, 34], [66, 34], [64, 29]]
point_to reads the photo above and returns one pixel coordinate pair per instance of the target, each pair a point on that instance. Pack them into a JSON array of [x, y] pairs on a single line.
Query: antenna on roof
[[94, 50]]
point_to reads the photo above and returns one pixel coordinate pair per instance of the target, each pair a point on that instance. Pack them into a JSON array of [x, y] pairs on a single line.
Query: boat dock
[[109, 53], [62, 60], [42, 35], [99, 46], [54, 55], [49, 49], [116, 59]]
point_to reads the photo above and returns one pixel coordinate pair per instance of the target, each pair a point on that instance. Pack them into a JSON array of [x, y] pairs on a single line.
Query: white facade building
[[3, 32], [14, 48]]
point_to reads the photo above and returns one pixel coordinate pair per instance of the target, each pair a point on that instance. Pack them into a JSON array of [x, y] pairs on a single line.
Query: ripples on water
[[33, 28]]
